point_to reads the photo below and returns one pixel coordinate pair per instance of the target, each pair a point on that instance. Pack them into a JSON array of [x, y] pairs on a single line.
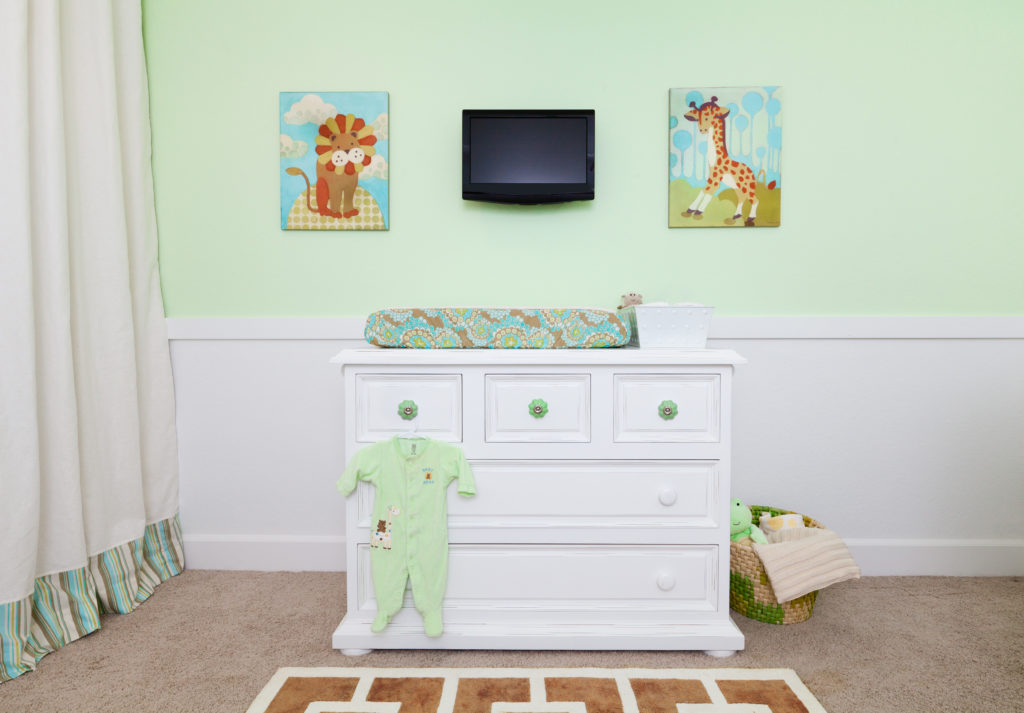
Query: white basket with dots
[[669, 326]]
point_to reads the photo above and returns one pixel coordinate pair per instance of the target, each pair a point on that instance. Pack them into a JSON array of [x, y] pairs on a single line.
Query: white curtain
[[88, 455]]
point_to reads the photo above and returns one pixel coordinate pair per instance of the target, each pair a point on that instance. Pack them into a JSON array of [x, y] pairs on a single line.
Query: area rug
[[535, 690]]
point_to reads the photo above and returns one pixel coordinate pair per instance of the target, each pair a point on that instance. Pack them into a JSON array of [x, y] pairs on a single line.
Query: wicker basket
[[750, 592]]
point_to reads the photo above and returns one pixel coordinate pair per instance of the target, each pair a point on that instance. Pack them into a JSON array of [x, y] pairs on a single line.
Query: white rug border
[[273, 686]]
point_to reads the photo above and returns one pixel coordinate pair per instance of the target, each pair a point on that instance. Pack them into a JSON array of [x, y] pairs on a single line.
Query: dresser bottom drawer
[[565, 579]]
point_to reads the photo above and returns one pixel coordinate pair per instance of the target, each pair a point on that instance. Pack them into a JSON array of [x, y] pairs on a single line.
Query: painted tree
[[682, 140], [752, 104]]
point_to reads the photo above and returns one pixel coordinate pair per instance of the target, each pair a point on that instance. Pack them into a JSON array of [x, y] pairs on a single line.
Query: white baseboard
[[940, 558], [876, 557], [266, 553]]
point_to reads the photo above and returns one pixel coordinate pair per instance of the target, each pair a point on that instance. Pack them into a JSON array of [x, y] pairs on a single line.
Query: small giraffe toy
[[721, 169]]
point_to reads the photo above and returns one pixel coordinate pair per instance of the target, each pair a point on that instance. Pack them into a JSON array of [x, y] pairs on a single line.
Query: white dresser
[[601, 514]]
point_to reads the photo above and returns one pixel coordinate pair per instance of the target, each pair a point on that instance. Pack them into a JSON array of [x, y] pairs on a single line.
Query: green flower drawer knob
[[408, 410], [538, 407], [668, 410]]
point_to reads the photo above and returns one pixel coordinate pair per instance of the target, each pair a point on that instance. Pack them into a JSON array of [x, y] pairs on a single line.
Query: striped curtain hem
[[66, 606]]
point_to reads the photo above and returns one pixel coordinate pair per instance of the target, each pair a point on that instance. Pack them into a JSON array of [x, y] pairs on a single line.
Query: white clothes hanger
[[411, 433]]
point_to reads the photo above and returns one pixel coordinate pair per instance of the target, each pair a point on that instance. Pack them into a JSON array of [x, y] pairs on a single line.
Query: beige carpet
[[535, 690], [210, 641]]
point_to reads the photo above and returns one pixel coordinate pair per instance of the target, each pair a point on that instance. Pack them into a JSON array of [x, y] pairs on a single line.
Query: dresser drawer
[[570, 578], [536, 408], [677, 408], [436, 400], [558, 495]]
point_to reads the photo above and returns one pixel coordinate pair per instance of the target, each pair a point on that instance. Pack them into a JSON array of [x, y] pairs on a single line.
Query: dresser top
[[554, 357]]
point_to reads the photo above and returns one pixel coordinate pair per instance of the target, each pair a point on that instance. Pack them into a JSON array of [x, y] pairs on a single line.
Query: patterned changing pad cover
[[494, 328]]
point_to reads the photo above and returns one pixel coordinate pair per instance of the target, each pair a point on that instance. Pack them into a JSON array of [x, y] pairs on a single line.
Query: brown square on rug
[[535, 690]]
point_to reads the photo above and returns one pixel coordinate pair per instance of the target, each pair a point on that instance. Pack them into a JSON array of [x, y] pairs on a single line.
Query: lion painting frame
[[334, 160], [725, 157]]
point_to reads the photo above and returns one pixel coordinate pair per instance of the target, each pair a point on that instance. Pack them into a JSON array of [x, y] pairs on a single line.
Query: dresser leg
[[355, 652], [720, 653]]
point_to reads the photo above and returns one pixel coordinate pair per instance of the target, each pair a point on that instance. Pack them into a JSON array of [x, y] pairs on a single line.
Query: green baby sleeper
[[409, 537]]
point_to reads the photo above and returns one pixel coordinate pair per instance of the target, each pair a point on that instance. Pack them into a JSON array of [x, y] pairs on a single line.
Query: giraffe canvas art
[[725, 157]]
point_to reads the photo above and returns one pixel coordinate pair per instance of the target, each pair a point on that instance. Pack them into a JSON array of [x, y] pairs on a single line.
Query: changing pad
[[497, 328]]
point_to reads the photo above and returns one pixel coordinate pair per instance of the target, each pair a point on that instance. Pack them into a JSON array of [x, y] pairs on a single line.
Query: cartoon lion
[[345, 147]]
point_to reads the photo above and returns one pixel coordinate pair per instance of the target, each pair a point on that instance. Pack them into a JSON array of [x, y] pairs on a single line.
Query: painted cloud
[[380, 126], [311, 109], [378, 168], [291, 148]]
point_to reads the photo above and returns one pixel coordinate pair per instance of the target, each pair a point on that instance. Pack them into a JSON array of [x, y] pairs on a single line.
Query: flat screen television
[[528, 156]]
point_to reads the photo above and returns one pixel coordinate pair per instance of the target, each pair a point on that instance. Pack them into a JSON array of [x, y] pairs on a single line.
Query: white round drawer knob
[[666, 582], [667, 496]]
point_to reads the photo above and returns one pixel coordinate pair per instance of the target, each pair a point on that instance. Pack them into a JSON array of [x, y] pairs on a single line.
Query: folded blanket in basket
[[815, 560]]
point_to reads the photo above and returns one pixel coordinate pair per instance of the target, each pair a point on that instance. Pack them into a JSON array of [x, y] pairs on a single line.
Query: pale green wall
[[902, 154]]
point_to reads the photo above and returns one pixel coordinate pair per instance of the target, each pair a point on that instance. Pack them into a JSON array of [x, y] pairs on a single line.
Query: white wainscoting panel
[[903, 434], [260, 448]]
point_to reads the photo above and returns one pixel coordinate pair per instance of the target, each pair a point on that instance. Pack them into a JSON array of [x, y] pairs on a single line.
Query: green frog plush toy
[[741, 523]]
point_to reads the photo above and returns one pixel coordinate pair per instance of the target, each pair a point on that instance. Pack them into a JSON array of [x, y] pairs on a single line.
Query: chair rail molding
[[797, 327]]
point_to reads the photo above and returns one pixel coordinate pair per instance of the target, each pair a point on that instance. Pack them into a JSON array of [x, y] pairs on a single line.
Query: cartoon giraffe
[[382, 537], [721, 169]]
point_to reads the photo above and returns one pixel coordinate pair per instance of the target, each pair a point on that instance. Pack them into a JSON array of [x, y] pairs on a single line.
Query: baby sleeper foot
[[380, 623], [432, 625]]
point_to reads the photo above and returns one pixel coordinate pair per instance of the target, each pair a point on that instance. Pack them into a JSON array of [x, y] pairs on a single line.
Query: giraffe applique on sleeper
[[710, 118], [382, 537]]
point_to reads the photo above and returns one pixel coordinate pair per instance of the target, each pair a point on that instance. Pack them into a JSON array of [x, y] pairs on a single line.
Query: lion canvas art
[[334, 160]]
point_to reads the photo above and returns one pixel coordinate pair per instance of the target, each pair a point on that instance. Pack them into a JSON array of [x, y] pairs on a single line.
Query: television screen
[[528, 156], [550, 150]]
